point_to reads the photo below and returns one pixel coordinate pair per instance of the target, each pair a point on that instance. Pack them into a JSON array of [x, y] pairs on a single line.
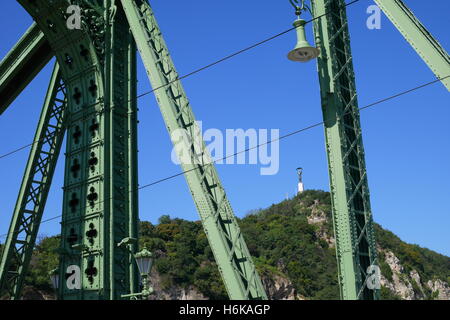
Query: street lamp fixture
[[144, 261], [54, 280], [303, 51]]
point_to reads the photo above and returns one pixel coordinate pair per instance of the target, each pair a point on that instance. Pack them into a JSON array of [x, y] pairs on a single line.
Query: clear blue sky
[[406, 140]]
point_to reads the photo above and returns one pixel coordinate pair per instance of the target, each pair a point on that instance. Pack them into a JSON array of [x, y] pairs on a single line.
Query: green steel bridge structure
[[92, 102]]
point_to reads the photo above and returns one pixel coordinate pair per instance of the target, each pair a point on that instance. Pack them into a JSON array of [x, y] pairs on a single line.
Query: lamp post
[[144, 261], [54, 279]]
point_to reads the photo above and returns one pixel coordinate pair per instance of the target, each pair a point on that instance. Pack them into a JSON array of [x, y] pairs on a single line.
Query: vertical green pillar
[[352, 216], [100, 189]]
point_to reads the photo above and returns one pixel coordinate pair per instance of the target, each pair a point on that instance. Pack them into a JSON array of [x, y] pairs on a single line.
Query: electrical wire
[[378, 102], [228, 57], [243, 50]]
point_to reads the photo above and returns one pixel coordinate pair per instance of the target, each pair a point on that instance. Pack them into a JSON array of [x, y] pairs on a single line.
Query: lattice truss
[[36, 185], [358, 200]]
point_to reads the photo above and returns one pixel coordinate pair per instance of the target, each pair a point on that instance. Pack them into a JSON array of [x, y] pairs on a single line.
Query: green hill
[[293, 248]]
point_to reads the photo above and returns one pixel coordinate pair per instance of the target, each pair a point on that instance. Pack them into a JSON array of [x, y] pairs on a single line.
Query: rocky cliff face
[[280, 288], [30, 293], [405, 285], [173, 292], [410, 286], [277, 288]]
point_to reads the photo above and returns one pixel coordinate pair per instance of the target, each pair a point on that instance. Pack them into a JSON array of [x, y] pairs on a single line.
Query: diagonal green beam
[[227, 243], [25, 60], [34, 190], [428, 48]]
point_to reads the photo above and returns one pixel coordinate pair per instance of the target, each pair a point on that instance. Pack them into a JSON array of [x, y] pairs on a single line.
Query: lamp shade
[[144, 261], [303, 51]]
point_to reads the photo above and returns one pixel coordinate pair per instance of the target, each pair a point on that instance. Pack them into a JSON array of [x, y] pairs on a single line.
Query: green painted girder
[[352, 216], [231, 253], [98, 65], [34, 189], [100, 185], [19, 67], [428, 48]]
